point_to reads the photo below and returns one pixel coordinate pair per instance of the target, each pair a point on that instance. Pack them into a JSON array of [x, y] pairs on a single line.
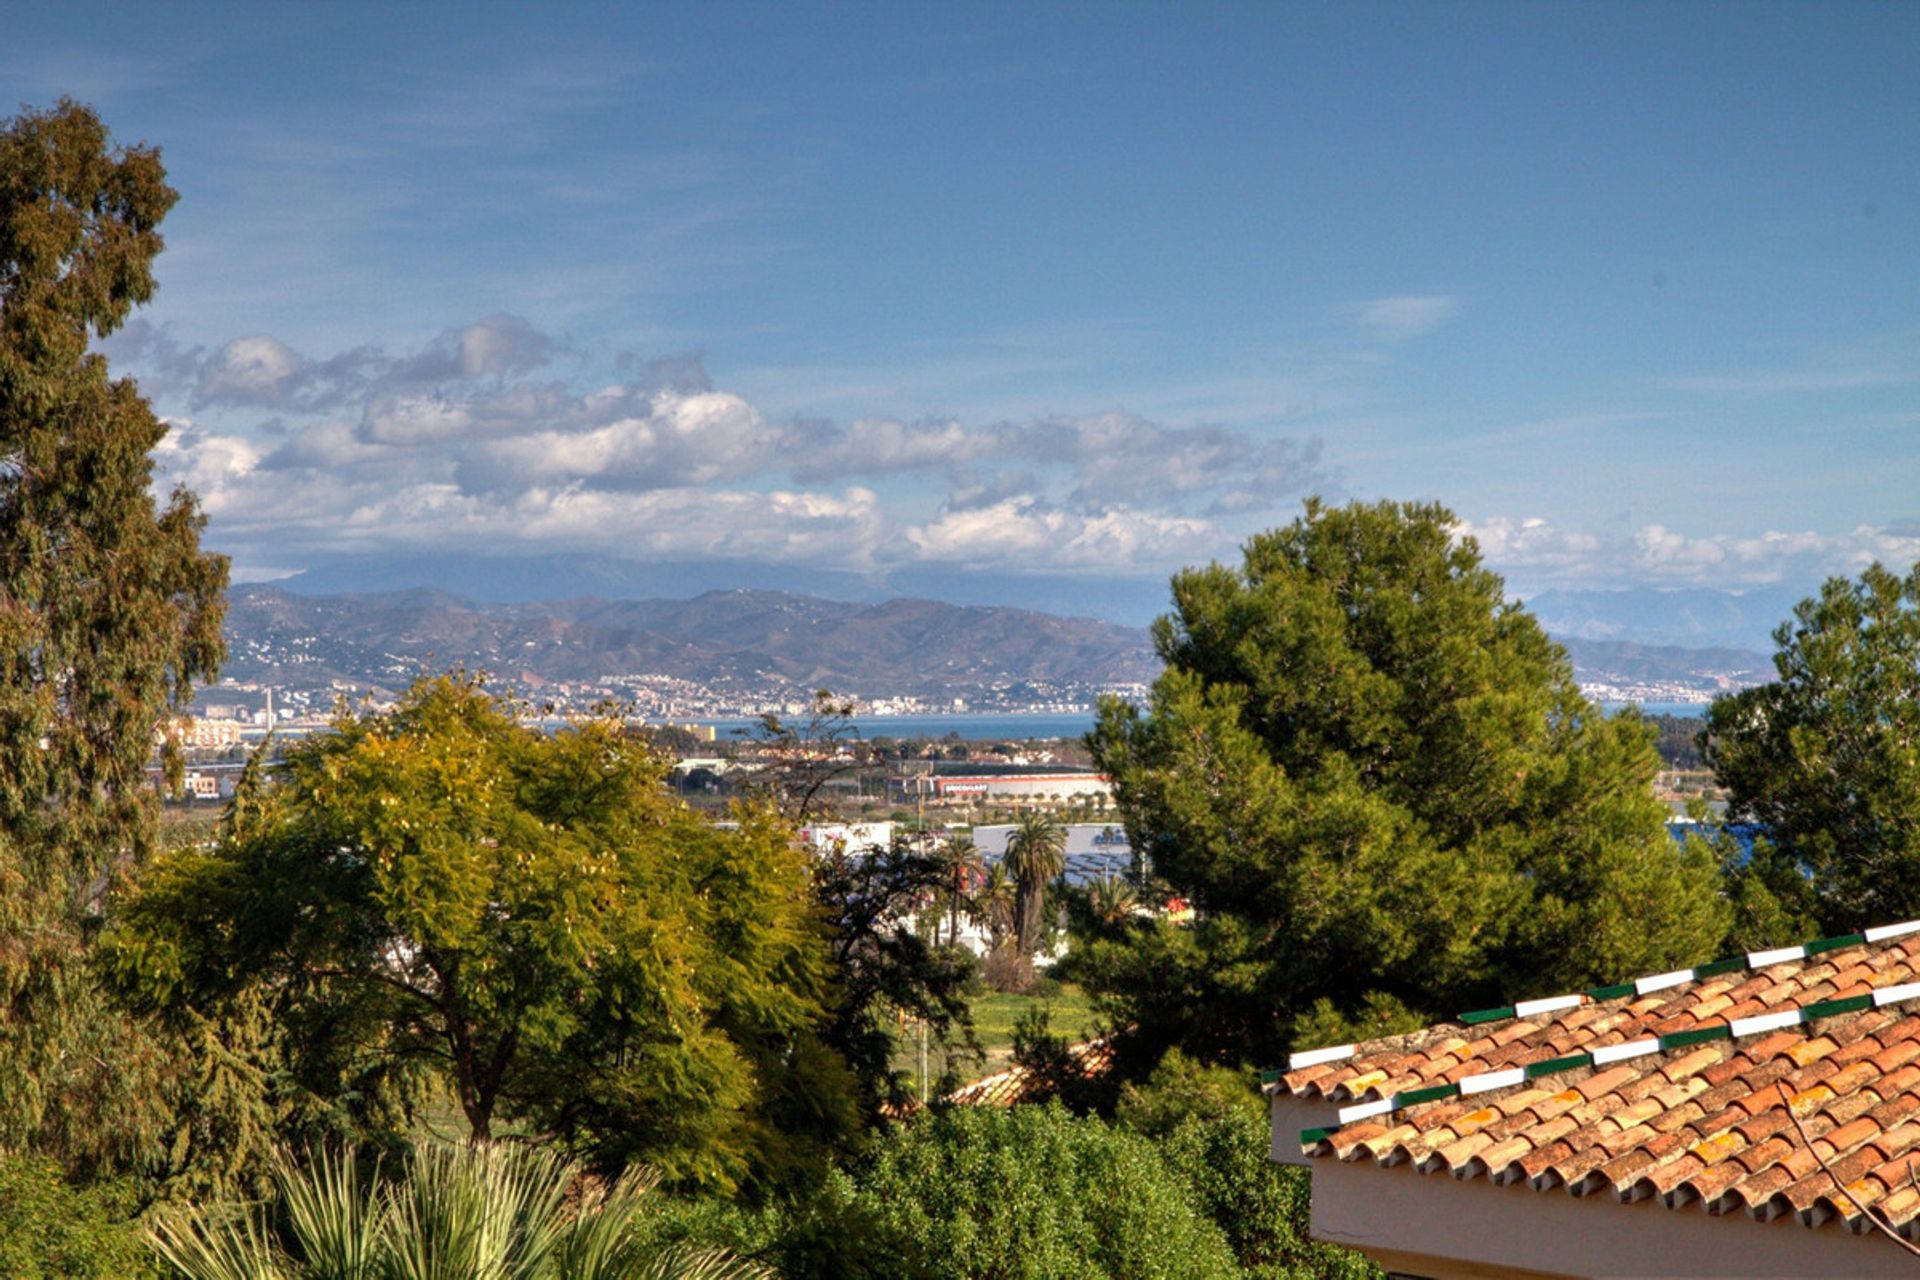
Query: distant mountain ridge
[[1624, 662], [753, 639], [1689, 617], [740, 638]]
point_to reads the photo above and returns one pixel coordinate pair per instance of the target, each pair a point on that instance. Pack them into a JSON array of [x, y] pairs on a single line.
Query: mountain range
[[737, 639], [1687, 617], [756, 639]]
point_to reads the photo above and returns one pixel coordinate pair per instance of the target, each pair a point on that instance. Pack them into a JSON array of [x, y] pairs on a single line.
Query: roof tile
[[1712, 1121]]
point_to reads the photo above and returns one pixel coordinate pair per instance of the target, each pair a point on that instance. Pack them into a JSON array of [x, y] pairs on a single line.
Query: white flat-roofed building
[[847, 837]]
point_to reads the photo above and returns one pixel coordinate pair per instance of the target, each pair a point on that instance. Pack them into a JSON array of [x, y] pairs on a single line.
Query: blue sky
[[1032, 303]]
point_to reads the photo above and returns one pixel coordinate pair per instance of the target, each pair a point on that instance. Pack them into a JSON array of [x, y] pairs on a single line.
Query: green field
[[994, 1017]]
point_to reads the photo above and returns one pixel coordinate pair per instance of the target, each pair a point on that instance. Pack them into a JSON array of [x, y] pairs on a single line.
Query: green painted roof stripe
[[1697, 1035], [1820, 945], [1487, 1015], [1554, 1066], [1618, 991], [1269, 1075], [1713, 969], [1836, 1008], [1308, 1137], [1431, 1093]]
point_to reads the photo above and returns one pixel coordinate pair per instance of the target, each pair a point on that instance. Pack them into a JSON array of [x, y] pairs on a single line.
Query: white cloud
[[253, 370], [675, 439], [1656, 555], [459, 444], [1406, 315], [1023, 532]]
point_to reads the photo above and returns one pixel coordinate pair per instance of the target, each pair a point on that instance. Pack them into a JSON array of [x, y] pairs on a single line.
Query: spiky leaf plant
[[468, 1212]]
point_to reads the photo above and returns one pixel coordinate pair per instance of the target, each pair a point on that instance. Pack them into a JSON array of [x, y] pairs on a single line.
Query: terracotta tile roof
[[1683, 1086], [1016, 1084]]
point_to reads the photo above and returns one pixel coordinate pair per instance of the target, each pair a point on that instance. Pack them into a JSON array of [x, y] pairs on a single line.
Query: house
[[1758, 1116]]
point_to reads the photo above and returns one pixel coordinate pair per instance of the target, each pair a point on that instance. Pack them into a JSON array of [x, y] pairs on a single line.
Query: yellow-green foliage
[[451, 1213], [51, 1230], [531, 919]]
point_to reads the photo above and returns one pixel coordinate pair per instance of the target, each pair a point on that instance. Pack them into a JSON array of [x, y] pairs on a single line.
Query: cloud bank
[[1545, 553], [480, 441], [486, 439]]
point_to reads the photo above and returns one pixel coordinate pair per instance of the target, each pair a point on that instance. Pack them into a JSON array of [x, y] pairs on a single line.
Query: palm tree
[[961, 865], [455, 1213], [995, 903], [1036, 857]]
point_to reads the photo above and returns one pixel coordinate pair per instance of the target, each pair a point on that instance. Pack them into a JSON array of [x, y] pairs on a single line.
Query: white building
[[847, 837]]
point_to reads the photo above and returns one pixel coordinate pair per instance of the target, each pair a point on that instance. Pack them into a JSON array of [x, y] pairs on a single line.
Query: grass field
[[994, 1017]]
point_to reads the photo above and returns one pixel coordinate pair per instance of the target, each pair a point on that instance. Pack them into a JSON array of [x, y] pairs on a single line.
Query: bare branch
[[1786, 1101]]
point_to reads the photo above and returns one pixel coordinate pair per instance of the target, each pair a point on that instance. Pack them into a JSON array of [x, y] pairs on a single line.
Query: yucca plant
[[476, 1213], [603, 1242], [470, 1212]]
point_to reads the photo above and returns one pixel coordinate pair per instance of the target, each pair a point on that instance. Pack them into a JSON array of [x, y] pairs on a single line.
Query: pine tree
[[1379, 785], [1826, 758], [109, 611]]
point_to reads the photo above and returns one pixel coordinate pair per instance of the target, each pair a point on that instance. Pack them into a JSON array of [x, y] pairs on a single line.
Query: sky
[[1018, 303]]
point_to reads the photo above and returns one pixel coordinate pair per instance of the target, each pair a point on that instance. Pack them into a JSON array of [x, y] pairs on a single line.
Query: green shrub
[[1044, 987], [1181, 1088], [1034, 1193], [1261, 1207], [50, 1230]]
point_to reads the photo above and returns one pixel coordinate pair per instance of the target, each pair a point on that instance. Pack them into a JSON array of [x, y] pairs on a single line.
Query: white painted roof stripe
[[1661, 981], [1893, 995], [1766, 1022], [1881, 933], [1492, 1080], [1314, 1057], [1621, 1052], [1365, 1110], [1527, 1008], [1779, 955]]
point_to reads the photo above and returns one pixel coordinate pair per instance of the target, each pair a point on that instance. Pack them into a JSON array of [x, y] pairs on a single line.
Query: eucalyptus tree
[[109, 614]]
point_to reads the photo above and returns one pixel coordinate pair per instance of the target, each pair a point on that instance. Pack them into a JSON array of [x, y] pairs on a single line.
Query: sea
[[1697, 710], [1014, 726], [1011, 726]]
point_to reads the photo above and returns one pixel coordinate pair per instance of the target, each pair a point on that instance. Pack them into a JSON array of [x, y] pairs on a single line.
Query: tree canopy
[[1378, 783], [109, 612], [528, 920], [1826, 758]]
